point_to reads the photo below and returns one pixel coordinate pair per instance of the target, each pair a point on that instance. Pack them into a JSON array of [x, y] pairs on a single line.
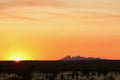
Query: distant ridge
[[80, 58]]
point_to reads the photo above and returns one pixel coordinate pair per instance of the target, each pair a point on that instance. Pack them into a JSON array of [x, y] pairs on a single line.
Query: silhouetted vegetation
[[13, 78], [26, 68]]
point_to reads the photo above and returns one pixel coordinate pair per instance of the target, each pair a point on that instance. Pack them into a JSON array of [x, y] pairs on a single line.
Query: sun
[[18, 59], [18, 55]]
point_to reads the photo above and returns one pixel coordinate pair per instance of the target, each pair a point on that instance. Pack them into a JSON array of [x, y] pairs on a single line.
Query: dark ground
[[57, 66], [26, 68]]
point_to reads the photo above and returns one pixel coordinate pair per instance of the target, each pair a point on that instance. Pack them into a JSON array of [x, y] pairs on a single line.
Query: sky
[[52, 29]]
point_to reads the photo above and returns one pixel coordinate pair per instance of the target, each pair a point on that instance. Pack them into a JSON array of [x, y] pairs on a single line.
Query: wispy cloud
[[65, 9], [19, 8], [17, 3], [36, 9]]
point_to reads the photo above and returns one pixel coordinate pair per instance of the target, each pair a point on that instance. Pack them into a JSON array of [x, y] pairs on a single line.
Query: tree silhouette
[[110, 78], [14, 78]]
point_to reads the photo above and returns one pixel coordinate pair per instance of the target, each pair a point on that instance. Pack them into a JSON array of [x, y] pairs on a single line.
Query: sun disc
[[18, 55], [17, 59]]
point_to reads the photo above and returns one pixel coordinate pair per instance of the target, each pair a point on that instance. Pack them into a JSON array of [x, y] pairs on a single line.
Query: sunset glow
[[52, 29], [17, 55], [17, 59]]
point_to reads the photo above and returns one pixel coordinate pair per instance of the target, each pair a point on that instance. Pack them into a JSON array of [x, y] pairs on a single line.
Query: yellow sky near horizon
[[52, 29]]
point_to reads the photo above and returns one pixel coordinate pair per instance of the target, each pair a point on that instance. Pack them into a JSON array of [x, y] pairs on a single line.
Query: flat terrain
[[58, 66]]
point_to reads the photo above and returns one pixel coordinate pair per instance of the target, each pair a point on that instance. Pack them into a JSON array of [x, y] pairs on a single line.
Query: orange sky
[[52, 29]]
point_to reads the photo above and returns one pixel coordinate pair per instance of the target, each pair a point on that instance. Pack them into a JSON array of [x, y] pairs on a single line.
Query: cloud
[[52, 9], [16, 3], [19, 8]]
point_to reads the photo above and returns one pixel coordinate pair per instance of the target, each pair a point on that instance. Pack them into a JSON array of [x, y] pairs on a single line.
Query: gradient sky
[[52, 29]]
